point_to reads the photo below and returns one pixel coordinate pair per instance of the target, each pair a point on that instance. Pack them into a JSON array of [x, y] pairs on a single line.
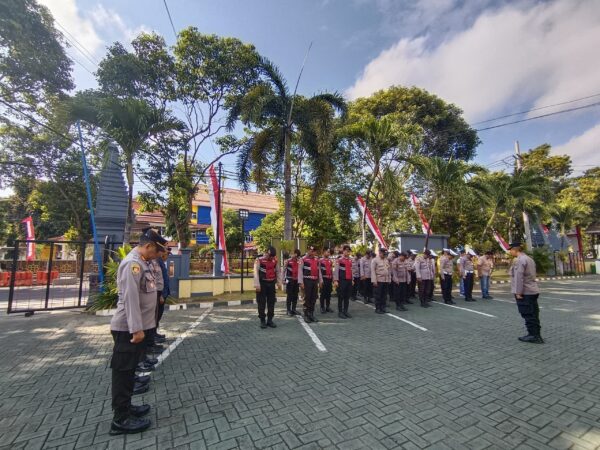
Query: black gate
[[59, 275]]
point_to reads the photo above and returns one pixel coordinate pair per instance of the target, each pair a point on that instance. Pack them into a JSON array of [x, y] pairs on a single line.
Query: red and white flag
[[414, 201], [503, 245], [545, 229], [216, 220], [372, 225], [30, 234]]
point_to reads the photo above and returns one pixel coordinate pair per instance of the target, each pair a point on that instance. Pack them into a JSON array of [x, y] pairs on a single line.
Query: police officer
[[136, 312], [266, 279], [343, 279], [460, 266], [365, 276], [381, 277], [309, 278], [524, 286], [356, 276], [326, 268], [412, 285], [425, 272], [166, 291], [485, 266], [291, 279], [468, 275], [446, 269], [433, 259], [400, 279]]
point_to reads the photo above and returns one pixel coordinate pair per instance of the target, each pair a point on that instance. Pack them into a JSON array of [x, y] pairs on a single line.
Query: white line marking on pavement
[[549, 297], [397, 317], [466, 309], [512, 302], [312, 335], [165, 354]]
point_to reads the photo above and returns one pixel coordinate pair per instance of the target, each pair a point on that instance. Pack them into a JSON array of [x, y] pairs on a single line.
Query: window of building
[[194, 215], [194, 234]]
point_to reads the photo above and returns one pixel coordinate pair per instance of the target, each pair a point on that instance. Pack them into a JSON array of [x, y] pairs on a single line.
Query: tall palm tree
[[130, 122], [440, 175], [567, 215], [278, 121]]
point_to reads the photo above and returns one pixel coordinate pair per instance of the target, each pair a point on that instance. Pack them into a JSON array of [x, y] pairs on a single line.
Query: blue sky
[[489, 57]]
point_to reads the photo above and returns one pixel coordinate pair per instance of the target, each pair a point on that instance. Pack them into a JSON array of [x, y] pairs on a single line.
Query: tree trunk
[[287, 176]]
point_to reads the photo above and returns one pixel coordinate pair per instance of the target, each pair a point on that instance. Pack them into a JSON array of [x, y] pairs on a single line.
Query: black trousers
[[412, 285], [325, 295], [431, 289], [468, 283], [266, 298], [124, 359], [400, 293], [381, 292], [447, 287], [160, 308], [311, 291], [291, 289], [530, 312], [367, 288], [344, 291], [355, 287], [424, 289]]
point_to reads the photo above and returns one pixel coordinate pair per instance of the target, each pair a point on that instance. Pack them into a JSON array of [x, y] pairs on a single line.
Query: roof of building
[[238, 199]]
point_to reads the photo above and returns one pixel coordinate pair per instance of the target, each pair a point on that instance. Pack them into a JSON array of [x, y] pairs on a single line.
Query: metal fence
[[59, 277], [572, 263], [203, 265]]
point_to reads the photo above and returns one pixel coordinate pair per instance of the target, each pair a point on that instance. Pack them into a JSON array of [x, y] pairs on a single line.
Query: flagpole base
[[217, 262]]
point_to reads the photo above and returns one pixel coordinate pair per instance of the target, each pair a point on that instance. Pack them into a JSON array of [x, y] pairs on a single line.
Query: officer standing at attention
[[291, 279], [365, 276], [485, 266], [136, 312], [309, 278], [524, 286], [446, 269], [326, 268], [165, 294], [433, 259], [266, 279], [381, 277], [424, 271], [412, 285], [400, 279], [356, 276], [460, 265], [343, 279], [468, 275]]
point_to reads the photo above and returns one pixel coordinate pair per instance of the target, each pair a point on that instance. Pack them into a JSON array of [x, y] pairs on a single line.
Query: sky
[[490, 58]]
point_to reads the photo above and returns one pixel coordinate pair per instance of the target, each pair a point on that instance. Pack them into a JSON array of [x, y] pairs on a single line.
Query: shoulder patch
[[135, 268]]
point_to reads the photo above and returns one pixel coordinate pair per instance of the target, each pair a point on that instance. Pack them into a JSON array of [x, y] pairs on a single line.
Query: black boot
[[307, 318], [270, 324], [129, 425], [313, 318], [532, 339], [424, 304], [348, 316], [328, 309], [139, 388], [399, 307], [409, 302], [341, 315], [142, 379], [322, 310], [263, 323], [139, 410]]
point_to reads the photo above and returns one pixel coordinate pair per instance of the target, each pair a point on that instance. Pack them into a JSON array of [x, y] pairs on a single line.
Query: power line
[[539, 117], [77, 45], [536, 109], [170, 18]]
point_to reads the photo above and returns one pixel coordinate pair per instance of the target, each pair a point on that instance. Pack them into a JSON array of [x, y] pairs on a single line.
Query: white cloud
[[519, 54], [584, 150]]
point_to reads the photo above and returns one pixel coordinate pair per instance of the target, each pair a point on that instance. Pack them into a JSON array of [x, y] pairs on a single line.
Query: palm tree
[[439, 176], [130, 122], [567, 215], [277, 122], [507, 193]]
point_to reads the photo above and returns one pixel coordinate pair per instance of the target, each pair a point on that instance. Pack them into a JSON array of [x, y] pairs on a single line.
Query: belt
[[268, 281], [447, 273], [469, 271], [310, 277]]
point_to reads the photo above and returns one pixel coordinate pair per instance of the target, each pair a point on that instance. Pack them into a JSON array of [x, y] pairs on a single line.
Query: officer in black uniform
[[136, 311], [266, 279]]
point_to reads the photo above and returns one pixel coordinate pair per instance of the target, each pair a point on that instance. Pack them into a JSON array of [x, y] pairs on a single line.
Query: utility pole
[[528, 241]]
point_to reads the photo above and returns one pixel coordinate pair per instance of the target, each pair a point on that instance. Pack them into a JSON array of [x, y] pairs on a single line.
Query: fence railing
[[203, 265]]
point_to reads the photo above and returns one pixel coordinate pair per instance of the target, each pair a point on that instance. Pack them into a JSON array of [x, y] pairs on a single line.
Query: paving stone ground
[[466, 383]]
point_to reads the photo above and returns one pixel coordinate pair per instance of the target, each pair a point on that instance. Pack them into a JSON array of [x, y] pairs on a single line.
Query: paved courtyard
[[441, 378]]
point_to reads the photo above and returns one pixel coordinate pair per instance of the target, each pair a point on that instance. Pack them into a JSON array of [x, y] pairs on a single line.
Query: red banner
[[414, 201], [30, 236], [369, 219], [216, 217], [501, 241]]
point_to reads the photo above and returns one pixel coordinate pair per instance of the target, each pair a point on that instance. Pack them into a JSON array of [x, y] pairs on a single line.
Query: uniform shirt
[[400, 273], [446, 264], [289, 270], [136, 283], [326, 268], [424, 268], [467, 267], [356, 267], [522, 276], [304, 260], [158, 275], [343, 269], [411, 264], [257, 270], [485, 265], [166, 290], [380, 270], [365, 267]]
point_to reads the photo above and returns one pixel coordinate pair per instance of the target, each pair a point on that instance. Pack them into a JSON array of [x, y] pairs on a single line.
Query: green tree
[[232, 228], [280, 123]]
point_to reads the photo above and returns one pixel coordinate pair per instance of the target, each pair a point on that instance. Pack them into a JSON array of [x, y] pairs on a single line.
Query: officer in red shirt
[[343, 280], [266, 278], [309, 278], [326, 268], [290, 269]]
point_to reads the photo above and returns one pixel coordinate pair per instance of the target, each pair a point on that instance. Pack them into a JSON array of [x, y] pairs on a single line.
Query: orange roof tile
[[238, 199]]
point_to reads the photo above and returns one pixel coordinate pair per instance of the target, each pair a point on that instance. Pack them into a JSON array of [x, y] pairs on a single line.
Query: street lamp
[[243, 215]]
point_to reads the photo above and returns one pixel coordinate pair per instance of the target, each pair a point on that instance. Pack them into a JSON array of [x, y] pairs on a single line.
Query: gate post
[[50, 258], [11, 291]]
